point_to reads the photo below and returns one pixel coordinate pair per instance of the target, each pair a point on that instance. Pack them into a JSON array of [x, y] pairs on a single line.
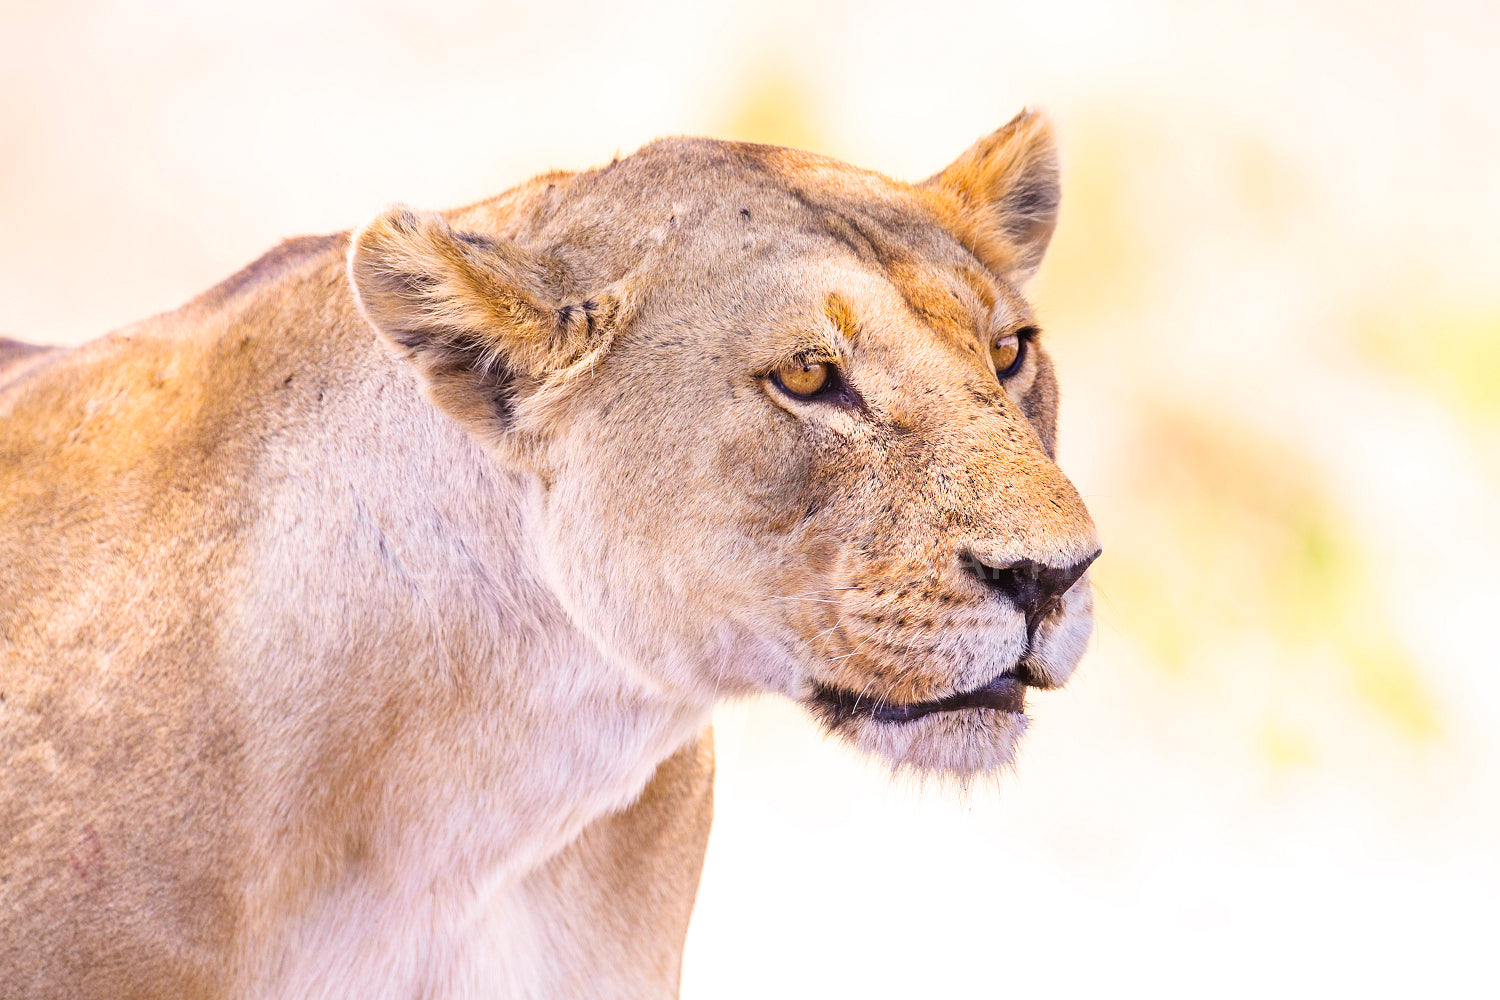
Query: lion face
[[791, 425]]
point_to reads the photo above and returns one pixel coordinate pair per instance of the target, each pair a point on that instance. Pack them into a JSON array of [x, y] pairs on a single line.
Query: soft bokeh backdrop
[[1275, 301]]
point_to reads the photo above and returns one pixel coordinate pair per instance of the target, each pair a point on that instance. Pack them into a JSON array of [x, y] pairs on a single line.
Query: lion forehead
[[674, 208]]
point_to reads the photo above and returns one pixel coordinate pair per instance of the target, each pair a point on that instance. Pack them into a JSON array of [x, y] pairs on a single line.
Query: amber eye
[[803, 377], [1009, 353]]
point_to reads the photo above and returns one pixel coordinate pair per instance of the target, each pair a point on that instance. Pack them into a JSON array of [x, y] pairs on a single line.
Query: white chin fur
[[954, 744]]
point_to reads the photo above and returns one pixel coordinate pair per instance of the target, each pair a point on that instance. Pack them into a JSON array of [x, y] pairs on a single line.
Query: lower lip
[[1003, 694]]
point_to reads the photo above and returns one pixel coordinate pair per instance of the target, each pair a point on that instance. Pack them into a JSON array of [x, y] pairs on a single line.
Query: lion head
[[789, 425]]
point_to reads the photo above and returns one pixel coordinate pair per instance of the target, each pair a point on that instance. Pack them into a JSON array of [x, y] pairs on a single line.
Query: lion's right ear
[[483, 321], [1007, 183]]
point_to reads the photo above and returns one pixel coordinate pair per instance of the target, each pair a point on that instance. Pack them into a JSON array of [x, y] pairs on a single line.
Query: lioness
[[362, 618]]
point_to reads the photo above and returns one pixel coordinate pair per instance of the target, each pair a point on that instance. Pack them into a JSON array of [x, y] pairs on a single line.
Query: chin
[[961, 743]]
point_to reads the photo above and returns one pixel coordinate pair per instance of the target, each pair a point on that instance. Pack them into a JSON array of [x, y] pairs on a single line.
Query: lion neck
[[431, 708]]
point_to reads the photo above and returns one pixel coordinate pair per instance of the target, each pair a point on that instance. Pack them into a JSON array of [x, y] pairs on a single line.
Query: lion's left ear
[[1007, 187], [486, 323]]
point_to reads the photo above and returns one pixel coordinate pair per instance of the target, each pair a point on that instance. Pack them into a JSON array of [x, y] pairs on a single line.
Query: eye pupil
[[804, 378], [1007, 354]]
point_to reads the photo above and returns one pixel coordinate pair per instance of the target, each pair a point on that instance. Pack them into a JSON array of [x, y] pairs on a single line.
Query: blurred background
[[1274, 298]]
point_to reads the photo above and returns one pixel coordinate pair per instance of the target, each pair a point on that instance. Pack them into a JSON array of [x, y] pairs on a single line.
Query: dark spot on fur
[[86, 858], [410, 339], [462, 355], [842, 230], [413, 283], [1029, 203], [476, 240], [12, 352]]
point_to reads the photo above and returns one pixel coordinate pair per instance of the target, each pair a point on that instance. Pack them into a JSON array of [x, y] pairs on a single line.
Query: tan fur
[[353, 663]]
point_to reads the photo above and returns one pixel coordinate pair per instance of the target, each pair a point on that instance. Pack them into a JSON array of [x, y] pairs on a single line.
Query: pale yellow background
[[1275, 301]]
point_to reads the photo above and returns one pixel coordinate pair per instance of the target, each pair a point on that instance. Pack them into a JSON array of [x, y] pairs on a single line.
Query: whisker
[[831, 627]]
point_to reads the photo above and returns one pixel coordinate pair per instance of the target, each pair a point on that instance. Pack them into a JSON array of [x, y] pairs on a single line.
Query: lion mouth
[[1006, 693]]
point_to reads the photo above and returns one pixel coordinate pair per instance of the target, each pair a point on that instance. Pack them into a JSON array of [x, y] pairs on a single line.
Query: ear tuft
[[1008, 188]]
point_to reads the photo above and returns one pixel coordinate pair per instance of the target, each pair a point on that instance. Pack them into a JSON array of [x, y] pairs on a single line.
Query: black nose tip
[[1033, 588]]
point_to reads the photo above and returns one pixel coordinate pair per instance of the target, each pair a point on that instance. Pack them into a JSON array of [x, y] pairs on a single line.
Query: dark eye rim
[[832, 385], [1024, 337]]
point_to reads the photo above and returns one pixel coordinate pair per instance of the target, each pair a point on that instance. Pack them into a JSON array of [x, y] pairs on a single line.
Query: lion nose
[[1034, 588]]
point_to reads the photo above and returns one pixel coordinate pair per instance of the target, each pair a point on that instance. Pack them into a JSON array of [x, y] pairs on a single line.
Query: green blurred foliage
[[1451, 351], [1235, 543]]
